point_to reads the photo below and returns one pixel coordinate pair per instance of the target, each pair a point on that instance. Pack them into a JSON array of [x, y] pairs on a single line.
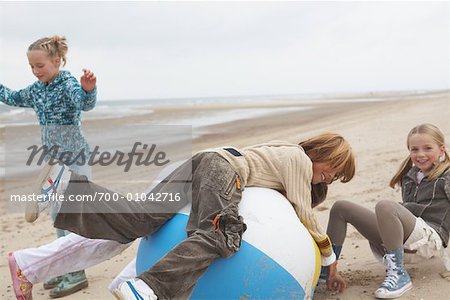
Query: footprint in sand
[[446, 275]]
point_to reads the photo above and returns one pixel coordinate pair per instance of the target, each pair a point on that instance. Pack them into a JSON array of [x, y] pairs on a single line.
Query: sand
[[377, 132]]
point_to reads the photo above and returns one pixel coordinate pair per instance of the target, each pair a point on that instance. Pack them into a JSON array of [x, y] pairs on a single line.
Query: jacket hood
[[62, 76]]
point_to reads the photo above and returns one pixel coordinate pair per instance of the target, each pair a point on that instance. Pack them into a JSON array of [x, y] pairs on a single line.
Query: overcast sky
[[198, 49]]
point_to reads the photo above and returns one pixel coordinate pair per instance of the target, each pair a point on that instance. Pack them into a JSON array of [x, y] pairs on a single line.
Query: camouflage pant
[[214, 227]]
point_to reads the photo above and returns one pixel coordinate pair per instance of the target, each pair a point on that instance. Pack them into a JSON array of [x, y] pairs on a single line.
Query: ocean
[[235, 108], [110, 109], [12, 118]]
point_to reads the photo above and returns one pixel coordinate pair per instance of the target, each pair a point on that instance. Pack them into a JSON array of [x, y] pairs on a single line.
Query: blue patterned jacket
[[57, 103]]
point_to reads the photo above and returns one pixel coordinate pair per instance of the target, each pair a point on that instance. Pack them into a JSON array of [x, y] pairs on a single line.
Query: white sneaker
[[134, 289], [397, 280], [386, 293], [52, 180]]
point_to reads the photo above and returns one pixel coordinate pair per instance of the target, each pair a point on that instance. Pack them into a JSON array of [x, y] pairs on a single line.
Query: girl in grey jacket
[[420, 224]]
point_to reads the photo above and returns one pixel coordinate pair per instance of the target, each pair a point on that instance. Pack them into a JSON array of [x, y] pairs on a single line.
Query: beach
[[376, 127]]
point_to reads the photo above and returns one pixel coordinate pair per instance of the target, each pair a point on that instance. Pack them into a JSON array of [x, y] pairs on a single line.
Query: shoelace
[[392, 273], [391, 279]]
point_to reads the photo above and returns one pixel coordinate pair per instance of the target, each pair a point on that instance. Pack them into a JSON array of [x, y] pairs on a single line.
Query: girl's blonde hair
[[56, 47], [439, 168], [332, 148]]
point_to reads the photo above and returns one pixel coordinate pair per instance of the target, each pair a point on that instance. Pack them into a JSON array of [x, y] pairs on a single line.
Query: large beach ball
[[278, 258]]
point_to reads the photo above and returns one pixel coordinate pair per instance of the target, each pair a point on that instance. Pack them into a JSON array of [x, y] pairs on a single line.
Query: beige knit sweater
[[284, 167]]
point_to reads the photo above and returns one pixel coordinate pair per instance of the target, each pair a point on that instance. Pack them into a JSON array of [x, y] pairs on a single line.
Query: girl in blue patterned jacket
[[58, 99]]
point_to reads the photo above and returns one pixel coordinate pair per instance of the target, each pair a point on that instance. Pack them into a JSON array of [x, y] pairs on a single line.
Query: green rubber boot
[[71, 283], [51, 283]]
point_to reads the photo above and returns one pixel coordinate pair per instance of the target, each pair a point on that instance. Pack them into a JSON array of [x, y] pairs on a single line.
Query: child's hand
[[336, 283], [88, 80]]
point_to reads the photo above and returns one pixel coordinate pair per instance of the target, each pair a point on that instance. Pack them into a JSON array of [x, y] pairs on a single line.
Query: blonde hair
[[56, 47], [438, 169], [332, 148]]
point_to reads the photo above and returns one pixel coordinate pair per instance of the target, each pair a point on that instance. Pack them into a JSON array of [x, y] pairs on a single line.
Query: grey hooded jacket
[[429, 200]]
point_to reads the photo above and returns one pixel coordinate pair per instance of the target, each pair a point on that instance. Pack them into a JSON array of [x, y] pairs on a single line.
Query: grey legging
[[389, 226]]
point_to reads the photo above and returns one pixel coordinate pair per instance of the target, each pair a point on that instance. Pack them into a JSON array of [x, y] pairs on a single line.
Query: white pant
[[72, 252], [69, 253], [427, 243]]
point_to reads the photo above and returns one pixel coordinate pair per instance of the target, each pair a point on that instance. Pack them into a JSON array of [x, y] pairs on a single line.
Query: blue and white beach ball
[[278, 258]]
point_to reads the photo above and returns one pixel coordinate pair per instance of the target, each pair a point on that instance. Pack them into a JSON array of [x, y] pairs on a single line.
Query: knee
[[340, 207], [384, 207], [229, 231]]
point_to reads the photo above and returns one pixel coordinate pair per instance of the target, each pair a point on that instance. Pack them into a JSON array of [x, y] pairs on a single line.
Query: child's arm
[[297, 174], [447, 184], [84, 95], [335, 282], [21, 98]]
